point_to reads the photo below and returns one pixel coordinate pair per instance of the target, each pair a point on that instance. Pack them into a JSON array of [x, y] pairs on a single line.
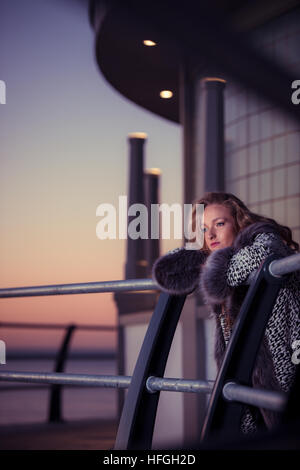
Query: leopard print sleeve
[[249, 258]]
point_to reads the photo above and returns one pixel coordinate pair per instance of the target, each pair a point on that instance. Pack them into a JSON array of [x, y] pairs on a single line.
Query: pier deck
[[71, 435]]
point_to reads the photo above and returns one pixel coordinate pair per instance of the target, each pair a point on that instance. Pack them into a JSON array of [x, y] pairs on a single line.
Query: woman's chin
[[216, 247]]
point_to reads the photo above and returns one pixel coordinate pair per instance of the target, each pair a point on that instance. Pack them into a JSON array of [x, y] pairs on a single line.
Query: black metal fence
[[61, 357], [231, 390]]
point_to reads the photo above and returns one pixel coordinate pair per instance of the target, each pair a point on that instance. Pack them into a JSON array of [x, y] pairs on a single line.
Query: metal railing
[[55, 398], [268, 399], [280, 267], [224, 412], [232, 388], [80, 288]]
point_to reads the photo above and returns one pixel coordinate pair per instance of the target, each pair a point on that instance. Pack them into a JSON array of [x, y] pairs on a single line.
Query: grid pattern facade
[[262, 145]]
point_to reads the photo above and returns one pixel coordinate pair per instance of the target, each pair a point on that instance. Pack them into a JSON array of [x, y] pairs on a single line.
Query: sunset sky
[[64, 151]]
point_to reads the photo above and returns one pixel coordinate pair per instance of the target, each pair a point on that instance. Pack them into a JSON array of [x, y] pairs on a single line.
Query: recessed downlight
[[166, 94], [149, 43]]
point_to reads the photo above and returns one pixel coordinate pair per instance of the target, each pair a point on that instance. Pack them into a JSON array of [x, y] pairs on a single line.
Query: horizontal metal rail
[[277, 268], [285, 265], [59, 378], [82, 288], [280, 267], [156, 384], [269, 400], [231, 391], [57, 326]]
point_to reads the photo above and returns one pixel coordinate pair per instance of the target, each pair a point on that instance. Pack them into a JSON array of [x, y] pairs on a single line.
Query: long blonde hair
[[241, 215]]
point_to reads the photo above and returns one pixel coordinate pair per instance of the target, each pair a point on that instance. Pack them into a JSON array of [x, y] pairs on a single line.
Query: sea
[[22, 403]]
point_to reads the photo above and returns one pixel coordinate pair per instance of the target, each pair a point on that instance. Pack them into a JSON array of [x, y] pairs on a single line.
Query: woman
[[236, 242]]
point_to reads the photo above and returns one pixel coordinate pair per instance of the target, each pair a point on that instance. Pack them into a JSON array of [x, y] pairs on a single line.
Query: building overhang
[[140, 72]]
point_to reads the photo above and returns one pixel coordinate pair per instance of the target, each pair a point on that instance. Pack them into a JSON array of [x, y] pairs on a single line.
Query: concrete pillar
[[202, 119], [134, 308], [136, 265], [211, 133]]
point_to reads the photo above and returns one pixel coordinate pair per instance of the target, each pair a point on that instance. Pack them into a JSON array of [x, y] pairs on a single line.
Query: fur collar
[[247, 235], [178, 272]]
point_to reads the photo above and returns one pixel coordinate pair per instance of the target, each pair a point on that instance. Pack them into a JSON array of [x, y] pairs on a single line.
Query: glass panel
[[266, 124], [253, 189], [279, 213], [279, 152], [242, 189], [232, 187], [253, 159], [265, 186], [253, 207], [235, 167], [228, 109], [243, 162], [230, 135], [241, 104], [293, 211], [293, 146], [293, 175], [278, 182], [254, 128], [266, 209], [278, 123], [252, 103], [242, 132], [228, 166], [265, 155]]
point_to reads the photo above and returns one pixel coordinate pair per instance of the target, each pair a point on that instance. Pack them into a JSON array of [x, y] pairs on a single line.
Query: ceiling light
[[166, 94], [148, 42]]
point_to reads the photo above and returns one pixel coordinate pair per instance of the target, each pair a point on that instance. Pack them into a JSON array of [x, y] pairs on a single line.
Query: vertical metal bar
[[137, 421], [292, 411], [201, 368], [223, 417], [121, 369], [55, 414]]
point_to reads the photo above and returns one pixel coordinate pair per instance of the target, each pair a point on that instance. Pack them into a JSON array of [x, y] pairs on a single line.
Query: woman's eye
[[204, 229]]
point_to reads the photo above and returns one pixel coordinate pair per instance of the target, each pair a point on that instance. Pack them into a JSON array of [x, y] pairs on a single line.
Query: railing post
[[292, 410], [55, 397], [223, 417], [138, 417]]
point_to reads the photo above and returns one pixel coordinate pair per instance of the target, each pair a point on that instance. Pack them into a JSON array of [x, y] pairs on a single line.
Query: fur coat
[[220, 277]]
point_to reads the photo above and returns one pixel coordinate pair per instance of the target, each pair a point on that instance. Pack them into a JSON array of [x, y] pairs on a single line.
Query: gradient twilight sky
[[64, 151]]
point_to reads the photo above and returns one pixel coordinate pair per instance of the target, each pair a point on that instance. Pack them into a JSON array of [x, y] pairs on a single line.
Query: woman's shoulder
[[259, 232]]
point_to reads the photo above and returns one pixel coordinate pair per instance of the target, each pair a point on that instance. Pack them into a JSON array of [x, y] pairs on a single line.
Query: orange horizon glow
[[64, 150]]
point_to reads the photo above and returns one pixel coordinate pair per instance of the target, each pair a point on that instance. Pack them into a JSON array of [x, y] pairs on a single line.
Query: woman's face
[[218, 226]]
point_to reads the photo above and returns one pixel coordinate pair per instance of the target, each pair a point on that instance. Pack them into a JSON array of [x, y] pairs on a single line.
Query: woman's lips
[[214, 244]]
